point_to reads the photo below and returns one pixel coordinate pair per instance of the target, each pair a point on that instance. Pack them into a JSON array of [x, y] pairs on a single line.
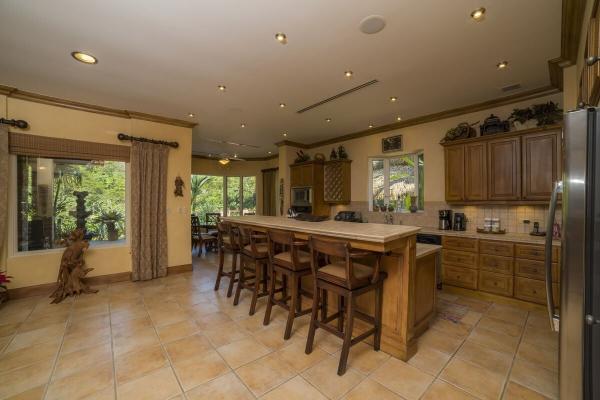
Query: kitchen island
[[409, 290]]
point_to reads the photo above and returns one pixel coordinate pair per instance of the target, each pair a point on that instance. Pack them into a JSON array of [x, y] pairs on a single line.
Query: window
[[231, 195], [396, 182], [55, 196]]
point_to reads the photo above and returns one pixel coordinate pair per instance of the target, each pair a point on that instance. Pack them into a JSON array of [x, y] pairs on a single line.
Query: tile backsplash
[[511, 217]]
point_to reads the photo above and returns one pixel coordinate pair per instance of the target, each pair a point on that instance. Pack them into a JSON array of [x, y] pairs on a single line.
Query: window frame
[[225, 209], [12, 243], [386, 177]]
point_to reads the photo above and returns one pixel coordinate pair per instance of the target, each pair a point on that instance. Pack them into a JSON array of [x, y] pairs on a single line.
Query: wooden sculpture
[[72, 268]]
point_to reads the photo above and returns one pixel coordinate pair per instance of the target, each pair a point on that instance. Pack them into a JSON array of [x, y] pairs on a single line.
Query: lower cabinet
[[499, 267]]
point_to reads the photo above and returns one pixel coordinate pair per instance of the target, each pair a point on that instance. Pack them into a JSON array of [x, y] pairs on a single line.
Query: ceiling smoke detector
[[372, 24]]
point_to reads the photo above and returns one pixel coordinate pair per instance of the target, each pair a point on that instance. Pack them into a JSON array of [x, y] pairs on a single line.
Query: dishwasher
[[433, 239]]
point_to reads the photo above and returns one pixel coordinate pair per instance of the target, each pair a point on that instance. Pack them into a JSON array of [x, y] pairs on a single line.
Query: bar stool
[[287, 258], [348, 279], [227, 241], [254, 262]]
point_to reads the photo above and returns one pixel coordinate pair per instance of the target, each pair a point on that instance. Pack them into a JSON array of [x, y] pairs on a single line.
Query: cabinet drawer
[[459, 258], [503, 265], [496, 283], [535, 269], [535, 252], [533, 290], [496, 248], [458, 243], [457, 276]]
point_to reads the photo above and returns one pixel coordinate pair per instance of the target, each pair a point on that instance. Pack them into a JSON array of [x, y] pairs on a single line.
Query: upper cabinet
[[515, 167], [301, 174], [337, 181]]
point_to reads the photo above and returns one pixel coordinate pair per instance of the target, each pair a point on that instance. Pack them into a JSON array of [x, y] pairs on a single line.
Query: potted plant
[[110, 219], [522, 118], [547, 113], [3, 289]]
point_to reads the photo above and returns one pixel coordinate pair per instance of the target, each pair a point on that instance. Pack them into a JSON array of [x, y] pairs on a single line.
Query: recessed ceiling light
[[281, 105], [393, 99], [191, 115], [235, 156], [281, 38], [222, 88], [398, 118], [269, 152], [84, 57], [370, 126], [224, 161], [348, 74], [327, 119], [502, 64], [242, 125], [372, 24], [478, 14], [284, 134]]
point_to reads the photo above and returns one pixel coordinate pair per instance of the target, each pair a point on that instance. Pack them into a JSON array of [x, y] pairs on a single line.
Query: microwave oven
[[301, 196]]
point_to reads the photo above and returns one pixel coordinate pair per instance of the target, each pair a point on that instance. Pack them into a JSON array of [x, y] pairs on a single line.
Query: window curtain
[[3, 194], [269, 191], [148, 210]]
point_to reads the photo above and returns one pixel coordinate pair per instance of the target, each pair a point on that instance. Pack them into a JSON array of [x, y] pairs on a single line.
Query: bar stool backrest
[[227, 229], [248, 236], [332, 248], [280, 241]]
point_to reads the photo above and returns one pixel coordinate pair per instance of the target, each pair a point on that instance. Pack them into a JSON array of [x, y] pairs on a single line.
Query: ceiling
[[167, 58]]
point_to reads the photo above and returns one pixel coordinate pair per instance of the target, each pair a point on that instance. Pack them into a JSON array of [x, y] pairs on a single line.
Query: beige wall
[[203, 166], [41, 267]]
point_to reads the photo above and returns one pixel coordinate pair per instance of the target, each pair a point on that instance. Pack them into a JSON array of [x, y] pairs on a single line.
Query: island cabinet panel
[[541, 165], [476, 178], [455, 172], [504, 169]]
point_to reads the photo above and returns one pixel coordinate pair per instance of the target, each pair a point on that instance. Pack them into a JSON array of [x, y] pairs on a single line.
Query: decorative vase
[[413, 204], [111, 230], [530, 123]]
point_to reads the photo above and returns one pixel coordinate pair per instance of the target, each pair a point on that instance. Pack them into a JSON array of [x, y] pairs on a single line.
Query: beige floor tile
[[80, 360], [477, 305], [178, 330], [538, 319], [253, 323], [188, 347], [91, 324], [440, 341], [297, 359], [514, 391], [457, 329], [84, 339], [9, 329], [46, 334], [168, 316], [402, 378], [132, 341], [135, 364], [36, 393], [294, 389], [429, 360], [541, 356], [272, 336], [328, 342], [105, 394], [498, 325], [485, 357], [532, 376], [325, 378], [82, 383], [471, 318], [364, 358], [28, 355], [226, 387], [369, 389], [242, 352], [474, 379], [125, 314], [226, 333], [209, 320], [26, 378], [264, 374], [158, 385], [494, 340], [33, 322], [542, 337], [198, 370], [440, 390], [510, 314], [131, 326]]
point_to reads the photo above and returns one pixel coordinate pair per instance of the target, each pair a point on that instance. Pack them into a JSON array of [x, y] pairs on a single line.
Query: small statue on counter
[[342, 155], [333, 155]]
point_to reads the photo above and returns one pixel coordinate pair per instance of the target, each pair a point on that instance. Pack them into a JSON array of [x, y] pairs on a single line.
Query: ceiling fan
[[223, 158]]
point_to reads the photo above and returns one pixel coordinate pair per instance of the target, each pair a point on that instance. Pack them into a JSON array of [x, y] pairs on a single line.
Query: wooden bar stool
[[287, 258], [227, 241], [254, 262], [348, 279]]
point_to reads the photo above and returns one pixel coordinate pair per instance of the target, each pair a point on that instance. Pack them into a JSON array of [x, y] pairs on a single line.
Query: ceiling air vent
[[337, 96], [512, 87]]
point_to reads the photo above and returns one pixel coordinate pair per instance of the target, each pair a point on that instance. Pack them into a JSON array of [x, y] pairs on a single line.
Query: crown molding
[[292, 144], [243, 158], [75, 105]]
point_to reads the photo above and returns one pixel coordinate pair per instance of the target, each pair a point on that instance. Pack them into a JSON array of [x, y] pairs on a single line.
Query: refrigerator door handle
[[548, 255]]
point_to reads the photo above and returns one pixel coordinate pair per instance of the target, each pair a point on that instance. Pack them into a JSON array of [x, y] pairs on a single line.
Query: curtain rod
[[19, 123], [122, 136]]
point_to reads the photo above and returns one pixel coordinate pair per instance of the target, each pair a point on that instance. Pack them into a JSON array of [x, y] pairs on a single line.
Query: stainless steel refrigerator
[[578, 317]]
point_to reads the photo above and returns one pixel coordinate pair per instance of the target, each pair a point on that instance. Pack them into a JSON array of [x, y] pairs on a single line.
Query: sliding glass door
[[227, 195]]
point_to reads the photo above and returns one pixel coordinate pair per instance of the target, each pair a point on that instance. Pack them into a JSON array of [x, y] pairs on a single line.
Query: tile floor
[[176, 338]]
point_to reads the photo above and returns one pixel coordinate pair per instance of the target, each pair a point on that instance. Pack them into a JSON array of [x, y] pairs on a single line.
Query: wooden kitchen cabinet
[[476, 178], [504, 167], [310, 174], [337, 181], [301, 174], [541, 165], [455, 172]]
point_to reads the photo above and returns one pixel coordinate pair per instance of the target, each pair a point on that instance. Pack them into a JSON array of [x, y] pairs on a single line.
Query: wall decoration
[[392, 143], [179, 185], [301, 157], [281, 191], [72, 268], [493, 124], [342, 155], [333, 155], [464, 130], [319, 157], [542, 114]]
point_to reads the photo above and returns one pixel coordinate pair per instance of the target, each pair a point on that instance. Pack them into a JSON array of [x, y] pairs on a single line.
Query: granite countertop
[[425, 249], [378, 233], [507, 237]]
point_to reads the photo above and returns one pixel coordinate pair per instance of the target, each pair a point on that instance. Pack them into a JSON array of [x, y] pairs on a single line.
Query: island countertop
[[376, 233]]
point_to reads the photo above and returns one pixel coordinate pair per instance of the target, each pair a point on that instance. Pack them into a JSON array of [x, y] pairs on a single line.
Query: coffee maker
[[460, 222], [445, 222]]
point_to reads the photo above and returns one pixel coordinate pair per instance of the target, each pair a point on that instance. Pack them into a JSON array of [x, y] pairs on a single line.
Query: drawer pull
[[534, 291], [495, 283]]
